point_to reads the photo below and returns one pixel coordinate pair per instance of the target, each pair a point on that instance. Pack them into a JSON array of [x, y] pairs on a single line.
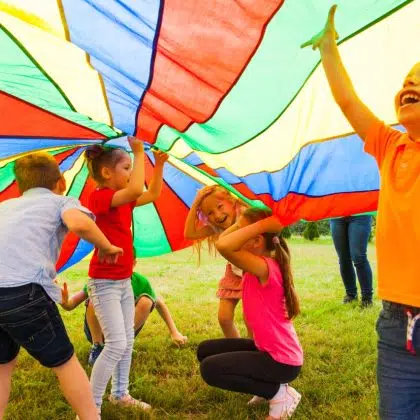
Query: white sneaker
[[256, 400], [284, 407], [128, 400]]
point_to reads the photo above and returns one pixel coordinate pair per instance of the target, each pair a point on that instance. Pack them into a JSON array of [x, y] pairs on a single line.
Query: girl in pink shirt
[[265, 365]]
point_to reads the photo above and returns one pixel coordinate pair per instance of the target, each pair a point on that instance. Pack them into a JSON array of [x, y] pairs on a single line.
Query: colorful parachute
[[222, 85]]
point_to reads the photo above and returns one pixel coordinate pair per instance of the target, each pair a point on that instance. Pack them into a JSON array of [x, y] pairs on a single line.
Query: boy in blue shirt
[[32, 229]]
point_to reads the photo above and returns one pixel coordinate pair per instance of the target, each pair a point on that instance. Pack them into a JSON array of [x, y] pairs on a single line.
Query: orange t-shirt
[[398, 223]]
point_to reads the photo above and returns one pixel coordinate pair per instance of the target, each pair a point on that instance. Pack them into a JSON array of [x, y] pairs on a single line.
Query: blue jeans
[[351, 236], [398, 371], [113, 302]]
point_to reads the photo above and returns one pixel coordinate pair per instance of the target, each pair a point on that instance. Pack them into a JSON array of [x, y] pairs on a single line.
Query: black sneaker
[[366, 303], [349, 299], [94, 353]]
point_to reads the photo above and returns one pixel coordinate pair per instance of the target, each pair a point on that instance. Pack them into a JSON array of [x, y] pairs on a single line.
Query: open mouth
[[409, 98], [221, 221]]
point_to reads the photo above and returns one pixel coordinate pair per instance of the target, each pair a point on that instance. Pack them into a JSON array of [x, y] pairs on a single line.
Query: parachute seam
[[152, 63], [101, 135], [380, 18], [40, 68]]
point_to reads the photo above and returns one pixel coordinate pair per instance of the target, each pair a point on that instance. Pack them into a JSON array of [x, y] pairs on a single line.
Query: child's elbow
[[221, 247], [137, 191], [78, 226]]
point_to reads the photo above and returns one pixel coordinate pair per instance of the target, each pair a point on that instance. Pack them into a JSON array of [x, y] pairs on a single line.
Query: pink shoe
[[284, 407], [128, 401]]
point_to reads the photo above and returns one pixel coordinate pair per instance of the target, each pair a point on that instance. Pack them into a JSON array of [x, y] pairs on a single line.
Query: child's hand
[[160, 157], [136, 145], [110, 255], [65, 303], [328, 32], [179, 339], [204, 192]]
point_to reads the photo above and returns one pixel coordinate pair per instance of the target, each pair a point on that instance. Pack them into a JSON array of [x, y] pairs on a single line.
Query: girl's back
[[265, 311]]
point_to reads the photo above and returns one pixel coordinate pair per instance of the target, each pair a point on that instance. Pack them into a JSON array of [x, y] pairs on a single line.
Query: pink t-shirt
[[266, 313]]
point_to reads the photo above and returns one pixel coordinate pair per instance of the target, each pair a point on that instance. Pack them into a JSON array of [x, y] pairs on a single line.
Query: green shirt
[[141, 287]]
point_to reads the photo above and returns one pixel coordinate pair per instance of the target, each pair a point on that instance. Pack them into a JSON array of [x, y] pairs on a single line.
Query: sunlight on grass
[[337, 381]]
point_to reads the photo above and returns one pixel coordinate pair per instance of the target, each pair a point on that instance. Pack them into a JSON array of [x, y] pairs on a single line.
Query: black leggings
[[236, 364]]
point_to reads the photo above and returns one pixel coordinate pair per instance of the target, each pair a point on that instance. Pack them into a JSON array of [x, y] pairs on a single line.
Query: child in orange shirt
[[398, 230]]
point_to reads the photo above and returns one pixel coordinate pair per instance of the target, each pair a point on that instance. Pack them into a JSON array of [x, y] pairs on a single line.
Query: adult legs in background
[[339, 232]]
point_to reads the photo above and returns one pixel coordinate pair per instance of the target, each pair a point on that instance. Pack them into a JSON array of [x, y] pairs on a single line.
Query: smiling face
[[220, 212], [407, 101]]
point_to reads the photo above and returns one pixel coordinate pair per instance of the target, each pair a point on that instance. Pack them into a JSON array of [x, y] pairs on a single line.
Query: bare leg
[[76, 388], [142, 312], [94, 327], [6, 371], [226, 317], [163, 310]]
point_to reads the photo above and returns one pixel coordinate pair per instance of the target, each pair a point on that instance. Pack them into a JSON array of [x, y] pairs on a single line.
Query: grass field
[[337, 381]]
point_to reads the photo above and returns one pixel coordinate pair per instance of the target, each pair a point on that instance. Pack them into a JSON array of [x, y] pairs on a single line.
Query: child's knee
[[225, 319], [211, 370], [207, 370], [144, 304], [115, 349], [202, 351]]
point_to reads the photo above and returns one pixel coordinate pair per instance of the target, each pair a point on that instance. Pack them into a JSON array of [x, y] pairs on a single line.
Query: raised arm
[[155, 187], [356, 112], [230, 245], [84, 227], [135, 185], [191, 231]]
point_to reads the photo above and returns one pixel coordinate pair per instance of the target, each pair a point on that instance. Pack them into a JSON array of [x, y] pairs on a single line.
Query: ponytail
[[278, 246], [282, 255]]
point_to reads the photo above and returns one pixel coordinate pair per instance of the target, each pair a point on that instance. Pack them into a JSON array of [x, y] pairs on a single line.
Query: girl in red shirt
[[120, 189]]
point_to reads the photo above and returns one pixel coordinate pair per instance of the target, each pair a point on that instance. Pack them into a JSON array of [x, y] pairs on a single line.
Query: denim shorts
[[29, 318]]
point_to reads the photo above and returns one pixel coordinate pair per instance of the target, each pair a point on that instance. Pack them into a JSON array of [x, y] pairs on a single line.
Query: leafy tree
[[311, 231], [286, 232]]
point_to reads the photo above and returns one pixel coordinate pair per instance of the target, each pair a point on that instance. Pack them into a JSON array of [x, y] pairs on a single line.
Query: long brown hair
[[280, 251]]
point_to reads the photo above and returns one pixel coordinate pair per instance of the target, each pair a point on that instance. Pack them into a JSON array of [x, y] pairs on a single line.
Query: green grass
[[337, 381]]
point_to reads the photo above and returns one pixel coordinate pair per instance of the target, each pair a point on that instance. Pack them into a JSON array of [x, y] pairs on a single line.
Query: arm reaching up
[[356, 112], [231, 245], [191, 230], [156, 183], [135, 185]]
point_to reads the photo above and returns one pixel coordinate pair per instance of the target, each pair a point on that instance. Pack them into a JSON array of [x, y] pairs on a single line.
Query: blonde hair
[[222, 194], [279, 250], [36, 170]]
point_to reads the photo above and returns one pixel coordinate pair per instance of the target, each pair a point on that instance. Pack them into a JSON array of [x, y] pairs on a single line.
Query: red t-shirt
[[115, 223]]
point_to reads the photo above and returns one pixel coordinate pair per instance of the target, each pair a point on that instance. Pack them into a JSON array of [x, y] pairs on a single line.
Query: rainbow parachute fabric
[[221, 85]]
